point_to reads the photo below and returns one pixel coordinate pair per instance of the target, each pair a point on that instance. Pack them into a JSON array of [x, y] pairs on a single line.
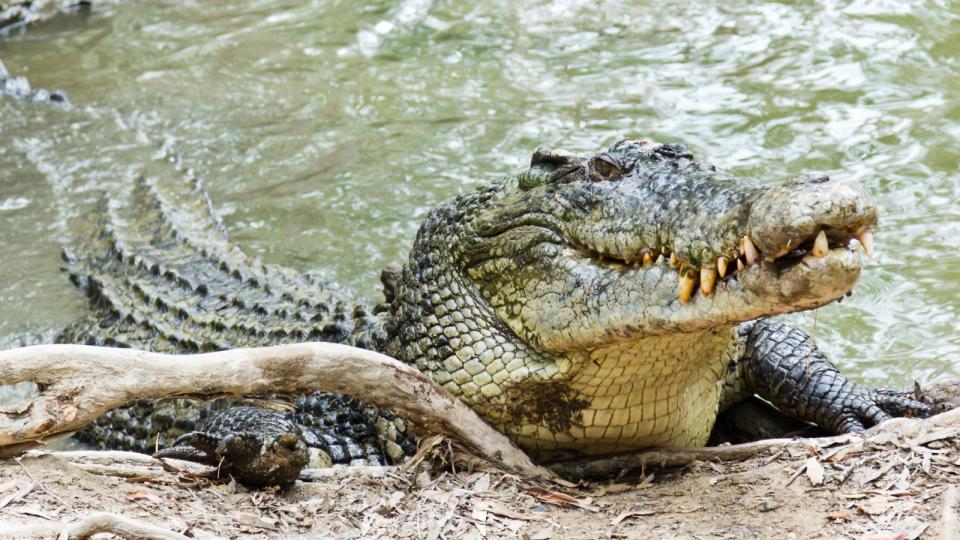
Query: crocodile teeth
[[820, 246], [673, 260], [722, 266], [866, 240], [687, 284], [749, 250], [739, 264], [647, 258], [708, 276], [659, 259]]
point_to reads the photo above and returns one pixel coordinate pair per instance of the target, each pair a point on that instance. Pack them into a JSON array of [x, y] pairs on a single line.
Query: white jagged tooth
[[722, 266], [866, 240], [739, 264], [749, 250], [708, 276], [647, 259], [820, 246]]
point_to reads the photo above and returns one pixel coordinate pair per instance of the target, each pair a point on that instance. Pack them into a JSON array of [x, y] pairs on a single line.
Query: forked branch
[[78, 383]]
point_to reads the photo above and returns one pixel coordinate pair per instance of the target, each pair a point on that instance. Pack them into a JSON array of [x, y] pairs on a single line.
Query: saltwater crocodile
[[256, 446], [590, 304]]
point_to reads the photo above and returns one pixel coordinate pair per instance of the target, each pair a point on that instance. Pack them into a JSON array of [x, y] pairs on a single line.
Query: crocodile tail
[[161, 276]]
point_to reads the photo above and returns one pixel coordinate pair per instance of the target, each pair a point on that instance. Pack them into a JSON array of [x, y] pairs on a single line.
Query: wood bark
[[78, 383]]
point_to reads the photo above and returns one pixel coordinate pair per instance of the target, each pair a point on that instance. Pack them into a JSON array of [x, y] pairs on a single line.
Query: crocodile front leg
[[194, 446], [783, 365]]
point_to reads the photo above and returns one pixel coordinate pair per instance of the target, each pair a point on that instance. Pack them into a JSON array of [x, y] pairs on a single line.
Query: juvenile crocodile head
[[591, 302]]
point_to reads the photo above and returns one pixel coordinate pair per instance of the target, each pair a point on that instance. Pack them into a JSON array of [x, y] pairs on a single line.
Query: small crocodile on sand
[[590, 304], [257, 446]]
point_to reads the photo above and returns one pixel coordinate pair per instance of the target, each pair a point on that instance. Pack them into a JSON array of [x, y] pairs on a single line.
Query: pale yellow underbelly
[[657, 391]]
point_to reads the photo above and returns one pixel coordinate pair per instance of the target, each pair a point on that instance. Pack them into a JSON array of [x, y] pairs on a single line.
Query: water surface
[[324, 131]]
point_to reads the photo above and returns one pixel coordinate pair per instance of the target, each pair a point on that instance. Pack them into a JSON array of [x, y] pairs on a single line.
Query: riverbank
[[895, 482]]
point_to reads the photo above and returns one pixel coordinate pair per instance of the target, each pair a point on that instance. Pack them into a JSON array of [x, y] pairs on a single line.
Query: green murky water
[[325, 131]]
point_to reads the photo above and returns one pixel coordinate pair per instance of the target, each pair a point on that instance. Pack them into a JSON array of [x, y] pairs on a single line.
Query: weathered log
[[78, 383]]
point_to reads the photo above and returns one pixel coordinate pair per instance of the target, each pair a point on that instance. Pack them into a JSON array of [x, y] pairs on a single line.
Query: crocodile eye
[[606, 167]]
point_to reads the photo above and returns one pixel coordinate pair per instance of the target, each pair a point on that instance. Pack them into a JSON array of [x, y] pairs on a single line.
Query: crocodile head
[[641, 239]]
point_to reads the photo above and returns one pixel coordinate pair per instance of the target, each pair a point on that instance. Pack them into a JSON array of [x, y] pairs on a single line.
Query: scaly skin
[[529, 299], [162, 277], [590, 304], [258, 447]]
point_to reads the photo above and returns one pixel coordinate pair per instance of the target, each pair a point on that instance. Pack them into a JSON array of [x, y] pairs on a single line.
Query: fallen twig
[[73, 390]]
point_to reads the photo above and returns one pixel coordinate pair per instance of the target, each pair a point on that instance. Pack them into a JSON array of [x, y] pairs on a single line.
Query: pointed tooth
[[739, 264], [866, 240], [820, 246], [708, 276], [647, 258], [722, 266], [659, 259], [687, 285], [673, 260], [749, 250]]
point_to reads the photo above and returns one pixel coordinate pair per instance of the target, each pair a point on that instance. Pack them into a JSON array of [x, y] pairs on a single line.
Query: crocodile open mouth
[[737, 260]]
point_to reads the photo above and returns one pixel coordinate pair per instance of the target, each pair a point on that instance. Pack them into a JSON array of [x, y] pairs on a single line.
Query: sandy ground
[[882, 487]]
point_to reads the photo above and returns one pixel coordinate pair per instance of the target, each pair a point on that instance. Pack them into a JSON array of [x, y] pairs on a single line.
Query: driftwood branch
[[910, 431], [100, 522], [78, 383]]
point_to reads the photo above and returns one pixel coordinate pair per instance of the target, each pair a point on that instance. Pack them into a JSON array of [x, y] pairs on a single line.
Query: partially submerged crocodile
[[590, 304]]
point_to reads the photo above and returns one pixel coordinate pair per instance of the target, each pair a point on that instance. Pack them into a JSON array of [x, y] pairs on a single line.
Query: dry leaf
[[630, 514], [558, 499], [247, 518], [482, 483], [815, 471], [500, 509], [872, 509], [545, 533], [140, 494]]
